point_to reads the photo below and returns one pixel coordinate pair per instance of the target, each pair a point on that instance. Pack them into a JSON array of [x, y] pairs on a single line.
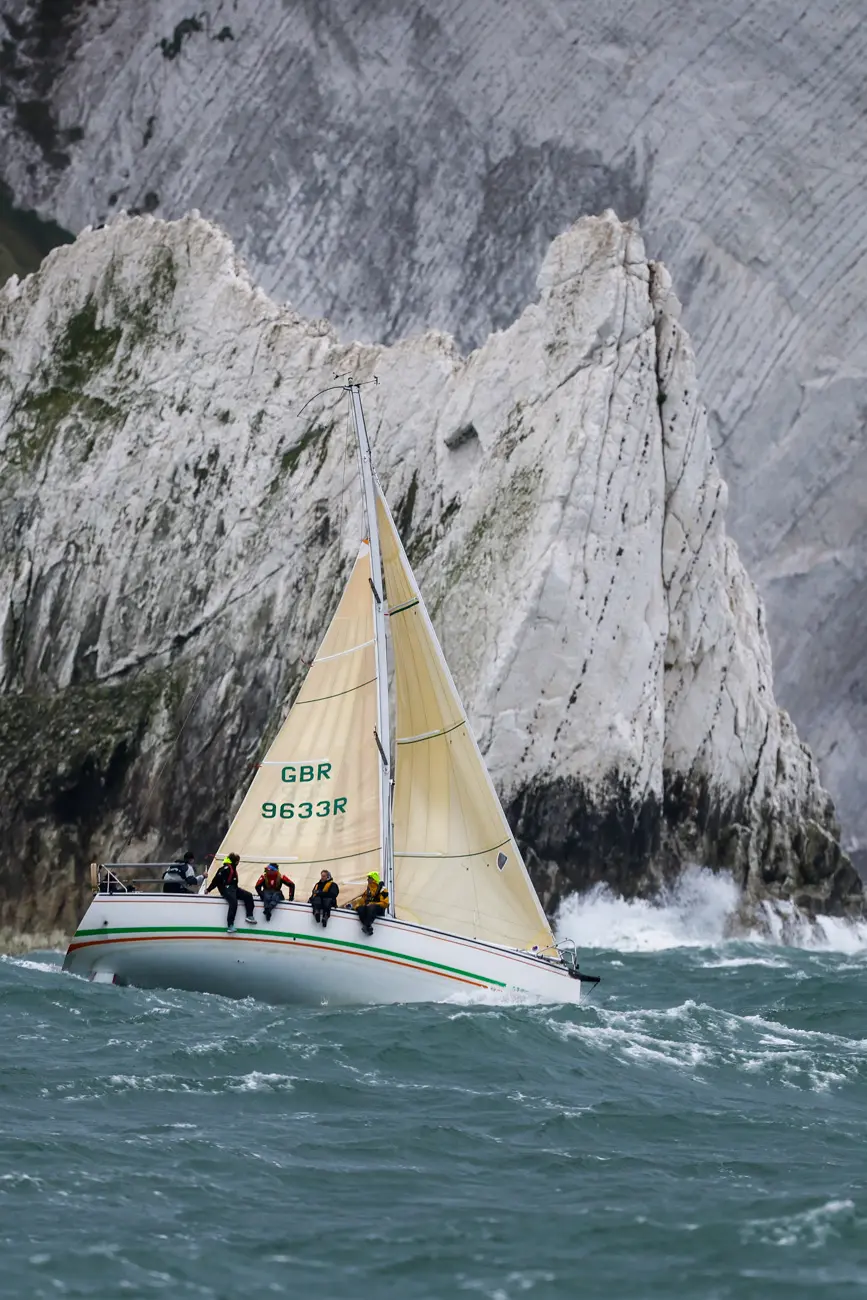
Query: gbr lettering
[[306, 772]]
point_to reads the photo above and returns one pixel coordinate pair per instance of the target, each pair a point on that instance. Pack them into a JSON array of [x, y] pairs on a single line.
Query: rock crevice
[[175, 539]]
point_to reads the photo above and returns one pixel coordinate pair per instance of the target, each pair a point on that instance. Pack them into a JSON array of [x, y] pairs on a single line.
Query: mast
[[383, 725]]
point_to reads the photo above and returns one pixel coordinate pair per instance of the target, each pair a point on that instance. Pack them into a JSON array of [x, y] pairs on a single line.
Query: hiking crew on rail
[[324, 897], [269, 888], [226, 884], [372, 904], [369, 906]]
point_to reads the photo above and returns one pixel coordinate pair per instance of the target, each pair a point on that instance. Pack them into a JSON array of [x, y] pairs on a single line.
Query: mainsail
[[314, 801], [456, 864]]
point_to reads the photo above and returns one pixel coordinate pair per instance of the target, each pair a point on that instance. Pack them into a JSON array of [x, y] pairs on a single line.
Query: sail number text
[[324, 808], [306, 772]]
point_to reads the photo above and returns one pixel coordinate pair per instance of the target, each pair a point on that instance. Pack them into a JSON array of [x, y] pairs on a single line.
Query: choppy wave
[[811, 1228], [695, 1128], [700, 911]]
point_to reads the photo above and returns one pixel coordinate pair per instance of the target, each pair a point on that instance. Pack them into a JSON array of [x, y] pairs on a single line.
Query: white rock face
[[175, 537], [399, 166]]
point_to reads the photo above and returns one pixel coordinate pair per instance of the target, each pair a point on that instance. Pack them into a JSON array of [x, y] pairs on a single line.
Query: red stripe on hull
[[286, 943]]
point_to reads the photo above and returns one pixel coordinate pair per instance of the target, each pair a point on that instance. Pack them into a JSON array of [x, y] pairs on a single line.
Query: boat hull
[[180, 941]]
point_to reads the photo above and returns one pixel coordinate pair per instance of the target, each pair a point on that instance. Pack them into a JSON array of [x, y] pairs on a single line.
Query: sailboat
[[334, 793]]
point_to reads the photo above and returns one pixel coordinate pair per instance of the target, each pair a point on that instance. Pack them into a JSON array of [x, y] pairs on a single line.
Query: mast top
[[346, 387]]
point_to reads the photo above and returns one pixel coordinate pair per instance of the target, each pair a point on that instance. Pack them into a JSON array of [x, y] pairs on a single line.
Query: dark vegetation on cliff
[[174, 544]]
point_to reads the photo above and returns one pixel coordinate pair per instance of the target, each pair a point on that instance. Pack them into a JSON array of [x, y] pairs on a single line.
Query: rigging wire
[[172, 744], [168, 751], [347, 430]]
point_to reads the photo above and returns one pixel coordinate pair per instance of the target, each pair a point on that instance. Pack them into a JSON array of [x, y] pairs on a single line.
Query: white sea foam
[[692, 914], [698, 912], [696, 1039], [785, 925], [753, 959], [494, 998], [25, 963], [810, 1228], [635, 1037], [256, 1081]]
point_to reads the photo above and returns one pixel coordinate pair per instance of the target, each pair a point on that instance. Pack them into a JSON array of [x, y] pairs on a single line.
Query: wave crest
[[702, 910]]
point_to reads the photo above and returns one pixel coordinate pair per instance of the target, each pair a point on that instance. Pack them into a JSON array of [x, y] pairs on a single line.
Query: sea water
[[698, 1128]]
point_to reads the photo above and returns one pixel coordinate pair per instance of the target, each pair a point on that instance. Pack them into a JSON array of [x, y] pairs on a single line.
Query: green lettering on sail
[[293, 772], [287, 811]]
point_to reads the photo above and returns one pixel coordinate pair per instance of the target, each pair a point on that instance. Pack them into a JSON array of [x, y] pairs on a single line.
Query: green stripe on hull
[[104, 933]]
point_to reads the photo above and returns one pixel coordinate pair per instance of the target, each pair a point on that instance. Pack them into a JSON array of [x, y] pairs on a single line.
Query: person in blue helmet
[[269, 887]]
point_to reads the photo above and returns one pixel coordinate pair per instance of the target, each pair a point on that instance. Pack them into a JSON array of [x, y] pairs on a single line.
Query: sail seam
[[321, 698], [341, 857], [399, 609], [245, 857], [430, 735], [464, 798], [450, 856], [324, 659]]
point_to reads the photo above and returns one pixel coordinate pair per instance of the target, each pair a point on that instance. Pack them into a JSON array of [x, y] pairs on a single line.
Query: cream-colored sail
[[314, 801], [456, 864]]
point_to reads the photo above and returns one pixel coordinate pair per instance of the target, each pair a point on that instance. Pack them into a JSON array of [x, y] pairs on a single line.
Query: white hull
[[180, 941]]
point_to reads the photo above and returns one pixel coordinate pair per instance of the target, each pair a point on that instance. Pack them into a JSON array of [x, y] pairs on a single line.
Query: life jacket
[[379, 894], [228, 875], [273, 880], [325, 887]]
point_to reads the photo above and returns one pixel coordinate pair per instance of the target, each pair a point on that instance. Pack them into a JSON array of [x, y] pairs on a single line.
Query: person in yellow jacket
[[372, 903], [324, 897]]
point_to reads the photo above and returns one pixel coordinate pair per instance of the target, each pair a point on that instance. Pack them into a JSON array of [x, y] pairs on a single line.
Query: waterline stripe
[[106, 932], [112, 944], [524, 956]]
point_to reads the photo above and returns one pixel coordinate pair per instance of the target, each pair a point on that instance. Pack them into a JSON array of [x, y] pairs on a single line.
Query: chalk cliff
[[399, 165], [175, 537]]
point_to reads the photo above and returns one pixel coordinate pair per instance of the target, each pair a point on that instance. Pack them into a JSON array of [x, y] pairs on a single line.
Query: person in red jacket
[[268, 887], [226, 883]]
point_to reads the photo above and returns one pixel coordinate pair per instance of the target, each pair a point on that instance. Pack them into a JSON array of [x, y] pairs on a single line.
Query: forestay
[[314, 801], [457, 866]]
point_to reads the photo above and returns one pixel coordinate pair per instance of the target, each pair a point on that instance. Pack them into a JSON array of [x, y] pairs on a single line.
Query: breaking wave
[[700, 911]]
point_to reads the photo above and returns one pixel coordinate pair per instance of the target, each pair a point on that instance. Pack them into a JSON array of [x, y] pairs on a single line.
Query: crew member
[[268, 887], [324, 897], [181, 878], [372, 903], [226, 883]]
